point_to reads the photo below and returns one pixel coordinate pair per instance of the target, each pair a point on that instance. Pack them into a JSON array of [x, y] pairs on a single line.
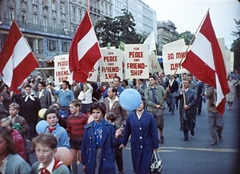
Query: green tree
[[119, 28], [235, 47], [187, 35]]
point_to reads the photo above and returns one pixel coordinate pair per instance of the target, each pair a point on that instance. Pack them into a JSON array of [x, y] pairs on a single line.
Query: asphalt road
[[195, 155]]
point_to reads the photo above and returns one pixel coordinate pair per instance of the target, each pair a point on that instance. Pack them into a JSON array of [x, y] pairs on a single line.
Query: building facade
[[144, 16], [166, 32], [49, 25]]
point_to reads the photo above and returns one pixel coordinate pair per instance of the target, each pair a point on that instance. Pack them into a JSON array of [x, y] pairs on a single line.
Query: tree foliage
[[188, 36], [235, 47], [119, 28]]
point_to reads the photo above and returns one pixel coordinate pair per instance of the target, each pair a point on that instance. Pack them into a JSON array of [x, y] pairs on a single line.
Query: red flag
[[84, 51], [16, 59], [205, 62]]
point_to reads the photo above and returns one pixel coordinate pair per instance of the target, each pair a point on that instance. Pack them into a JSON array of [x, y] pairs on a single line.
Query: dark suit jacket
[[45, 98], [3, 111], [76, 91], [121, 114]]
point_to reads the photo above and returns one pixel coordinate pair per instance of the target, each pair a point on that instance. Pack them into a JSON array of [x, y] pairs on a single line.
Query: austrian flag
[[84, 51], [16, 59], [205, 62]]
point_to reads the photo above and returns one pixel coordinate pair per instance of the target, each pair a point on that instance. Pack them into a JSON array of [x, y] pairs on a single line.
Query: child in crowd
[[17, 138], [76, 123], [100, 137], [111, 117], [19, 123], [58, 131], [62, 115], [10, 161], [45, 147]]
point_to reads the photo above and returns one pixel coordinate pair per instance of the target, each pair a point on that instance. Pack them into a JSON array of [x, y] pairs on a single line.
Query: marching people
[[99, 140], [11, 162], [65, 95], [173, 86], [154, 101], [76, 122], [112, 105], [200, 94], [187, 109], [232, 95], [44, 95], [29, 107], [45, 147], [141, 126], [215, 120], [3, 110], [116, 84], [85, 97], [76, 88], [140, 87]]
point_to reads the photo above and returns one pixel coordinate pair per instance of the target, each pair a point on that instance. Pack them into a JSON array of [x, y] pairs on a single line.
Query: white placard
[[92, 75], [110, 64], [154, 65], [172, 57], [61, 69], [136, 61]]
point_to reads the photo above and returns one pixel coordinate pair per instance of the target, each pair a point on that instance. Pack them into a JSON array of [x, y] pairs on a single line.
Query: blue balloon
[[41, 126], [130, 99]]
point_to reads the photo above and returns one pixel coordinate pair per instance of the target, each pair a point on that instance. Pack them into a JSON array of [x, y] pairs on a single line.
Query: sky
[[188, 14]]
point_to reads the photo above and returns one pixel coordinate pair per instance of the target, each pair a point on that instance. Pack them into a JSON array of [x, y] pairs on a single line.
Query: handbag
[[156, 164], [157, 111]]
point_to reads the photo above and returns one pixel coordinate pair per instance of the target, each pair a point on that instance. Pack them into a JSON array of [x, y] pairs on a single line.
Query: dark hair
[[117, 77], [144, 101], [42, 83], [50, 111], [28, 86], [110, 116], [126, 82], [113, 89], [152, 77], [7, 136], [67, 83], [47, 139], [98, 105]]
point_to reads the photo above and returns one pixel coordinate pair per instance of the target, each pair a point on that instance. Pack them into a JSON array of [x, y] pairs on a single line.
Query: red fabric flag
[[16, 59], [84, 51], [205, 62]]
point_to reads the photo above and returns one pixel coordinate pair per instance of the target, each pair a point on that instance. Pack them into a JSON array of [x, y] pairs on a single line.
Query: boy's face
[[44, 154], [13, 112], [73, 109], [52, 119], [97, 115]]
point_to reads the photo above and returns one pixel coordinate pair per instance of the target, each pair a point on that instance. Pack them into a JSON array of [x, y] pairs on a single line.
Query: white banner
[[61, 69], [154, 65], [231, 61], [110, 64], [136, 61]]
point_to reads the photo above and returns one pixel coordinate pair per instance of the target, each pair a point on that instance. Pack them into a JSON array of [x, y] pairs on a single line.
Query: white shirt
[[3, 167], [40, 93], [111, 102], [49, 167], [86, 97]]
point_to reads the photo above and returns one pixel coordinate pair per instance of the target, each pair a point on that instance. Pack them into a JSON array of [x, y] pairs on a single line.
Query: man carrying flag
[[16, 59], [84, 51], [205, 62]]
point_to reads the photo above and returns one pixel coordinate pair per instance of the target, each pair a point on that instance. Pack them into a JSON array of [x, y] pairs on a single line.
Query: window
[[54, 24], [63, 23], [34, 1], [53, 4], [35, 44], [24, 16], [62, 7], [52, 45], [35, 21], [45, 24], [74, 13], [80, 14], [11, 15], [65, 47]]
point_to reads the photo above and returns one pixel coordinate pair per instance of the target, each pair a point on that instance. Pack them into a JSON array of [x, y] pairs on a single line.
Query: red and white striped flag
[[84, 51], [205, 62], [16, 59]]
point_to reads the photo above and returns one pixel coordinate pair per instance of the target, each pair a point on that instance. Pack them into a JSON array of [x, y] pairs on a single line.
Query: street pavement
[[195, 155]]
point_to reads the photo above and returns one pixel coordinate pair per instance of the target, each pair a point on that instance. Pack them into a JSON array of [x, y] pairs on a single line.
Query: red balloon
[[65, 155]]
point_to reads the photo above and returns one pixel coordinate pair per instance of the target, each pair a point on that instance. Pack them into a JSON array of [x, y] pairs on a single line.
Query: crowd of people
[[88, 119]]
